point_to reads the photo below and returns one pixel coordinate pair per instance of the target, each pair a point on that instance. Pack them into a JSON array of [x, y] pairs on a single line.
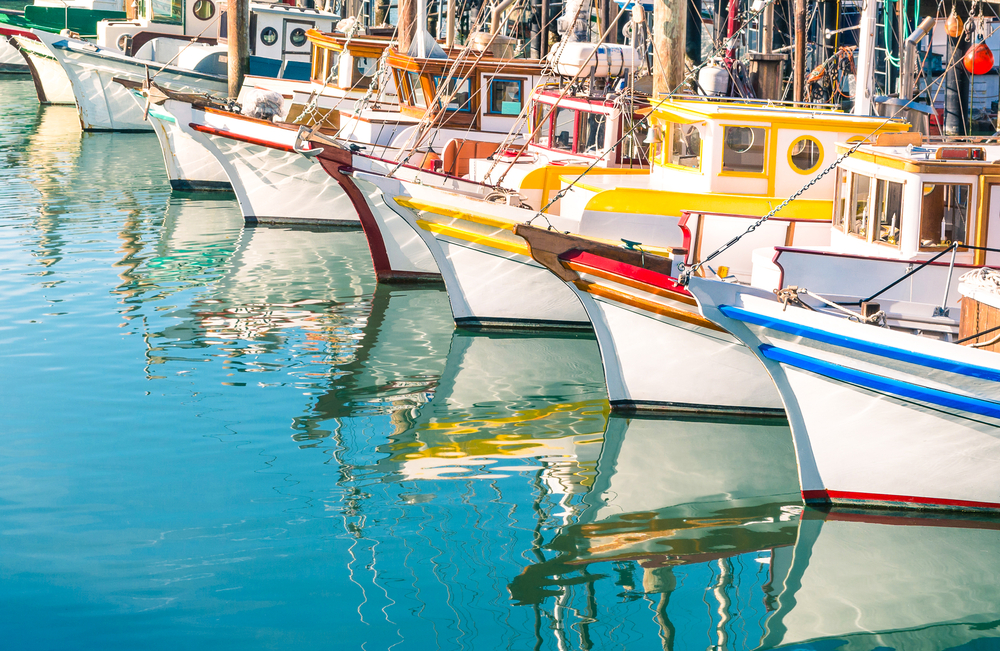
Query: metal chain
[[686, 273]]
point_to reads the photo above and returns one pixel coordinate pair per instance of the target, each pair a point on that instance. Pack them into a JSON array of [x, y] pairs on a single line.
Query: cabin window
[[634, 144], [860, 188], [543, 125], [944, 214], [805, 154], [590, 138], [840, 200], [269, 36], [504, 96], [685, 145], [168, 11], [460, 91], [744, 149], [888, 211], [563, 129], [416, 90], [298, 37], [203, 9]]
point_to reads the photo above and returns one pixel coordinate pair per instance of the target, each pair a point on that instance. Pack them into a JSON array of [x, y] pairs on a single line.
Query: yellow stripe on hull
[[672, 204]]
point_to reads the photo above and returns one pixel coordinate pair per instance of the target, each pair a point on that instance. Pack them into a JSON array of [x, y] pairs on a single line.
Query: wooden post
[[543, 41], [768, 35], [800, 50], [406, 24], [669, 23], [238, 34]]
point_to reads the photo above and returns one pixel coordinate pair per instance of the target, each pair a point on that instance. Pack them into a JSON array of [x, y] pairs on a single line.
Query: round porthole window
[[739, 139], [269, 36], [805, 154], [298, 37], [204, 9]]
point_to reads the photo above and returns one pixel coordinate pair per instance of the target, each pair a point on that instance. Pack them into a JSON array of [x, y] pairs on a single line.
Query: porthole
[[298, 37], [204, 9], [805, 154], [269, 36]]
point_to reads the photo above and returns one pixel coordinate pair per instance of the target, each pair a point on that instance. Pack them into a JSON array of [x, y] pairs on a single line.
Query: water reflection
[[506, 405], [867, 580], [678, 510]]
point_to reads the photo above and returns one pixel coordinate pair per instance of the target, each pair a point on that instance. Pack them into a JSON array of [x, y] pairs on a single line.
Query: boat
[[650, 331], [272, 184], [713, 156], [79, 16], [188, 59], [912, 215], [880, 417]]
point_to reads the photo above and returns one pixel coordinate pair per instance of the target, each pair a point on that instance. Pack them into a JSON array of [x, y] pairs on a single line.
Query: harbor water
[[219, 436]]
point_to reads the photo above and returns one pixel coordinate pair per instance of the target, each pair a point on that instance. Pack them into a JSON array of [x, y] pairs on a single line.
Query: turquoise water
[[219, 436]]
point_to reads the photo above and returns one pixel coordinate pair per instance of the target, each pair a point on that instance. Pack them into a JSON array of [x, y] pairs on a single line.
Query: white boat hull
[[11, 61], [492, 280], [879, 418], [190, 166], [51, 82], [272, 182], [105, 105]]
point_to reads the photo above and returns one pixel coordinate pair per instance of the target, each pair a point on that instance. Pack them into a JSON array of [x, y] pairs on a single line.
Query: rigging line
[[562, 95], [189, 44], [419, 133]]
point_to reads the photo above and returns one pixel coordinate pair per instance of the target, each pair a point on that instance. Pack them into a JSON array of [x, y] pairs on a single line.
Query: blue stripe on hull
[[841, 341], [882, 384]]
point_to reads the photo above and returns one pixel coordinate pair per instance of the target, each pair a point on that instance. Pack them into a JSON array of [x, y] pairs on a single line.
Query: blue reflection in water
[[217, 436]]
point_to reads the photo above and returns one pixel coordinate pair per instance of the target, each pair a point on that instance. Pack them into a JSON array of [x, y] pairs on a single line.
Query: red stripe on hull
[[212, 131], [847, 497], [627, 270]]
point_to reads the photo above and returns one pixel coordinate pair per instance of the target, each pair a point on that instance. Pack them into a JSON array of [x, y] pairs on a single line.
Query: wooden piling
[[238, 35], [669, 29]]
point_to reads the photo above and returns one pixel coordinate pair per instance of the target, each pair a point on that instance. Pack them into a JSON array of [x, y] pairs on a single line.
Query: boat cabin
[[346, 63], [709, 146], [482, 94], [587, 128], [914, 201], [159, 31]]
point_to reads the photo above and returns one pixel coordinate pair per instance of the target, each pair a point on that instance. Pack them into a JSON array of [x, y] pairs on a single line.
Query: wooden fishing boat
[[272, 184], [714, 156], [80, 16], [190, 60], [880, 417], [650, 331]]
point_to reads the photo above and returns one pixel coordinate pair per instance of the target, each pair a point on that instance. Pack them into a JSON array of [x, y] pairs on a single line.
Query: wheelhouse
[[915, 200], [591, 128], [739, 148], [487, 94]]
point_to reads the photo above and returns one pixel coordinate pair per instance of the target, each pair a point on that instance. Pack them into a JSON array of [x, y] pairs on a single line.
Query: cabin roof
[[692, 110], [922, 159]]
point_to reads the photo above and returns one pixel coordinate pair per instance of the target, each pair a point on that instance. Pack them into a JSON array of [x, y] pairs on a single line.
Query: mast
[[866, 61]]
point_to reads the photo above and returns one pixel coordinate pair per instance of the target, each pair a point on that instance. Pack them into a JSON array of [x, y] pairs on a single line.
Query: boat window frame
[[176, 16], [881, 218], [853, 217], [765, 152], [412, 75], [923, 206], [842, 198], [572, 131], [819, 160], [667, 154], [579, 132], [467, 104], [539, 108], [488, 96]]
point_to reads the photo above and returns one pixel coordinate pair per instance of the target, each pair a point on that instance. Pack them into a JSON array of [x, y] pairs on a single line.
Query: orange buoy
[[953, 26], [979, 59]]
